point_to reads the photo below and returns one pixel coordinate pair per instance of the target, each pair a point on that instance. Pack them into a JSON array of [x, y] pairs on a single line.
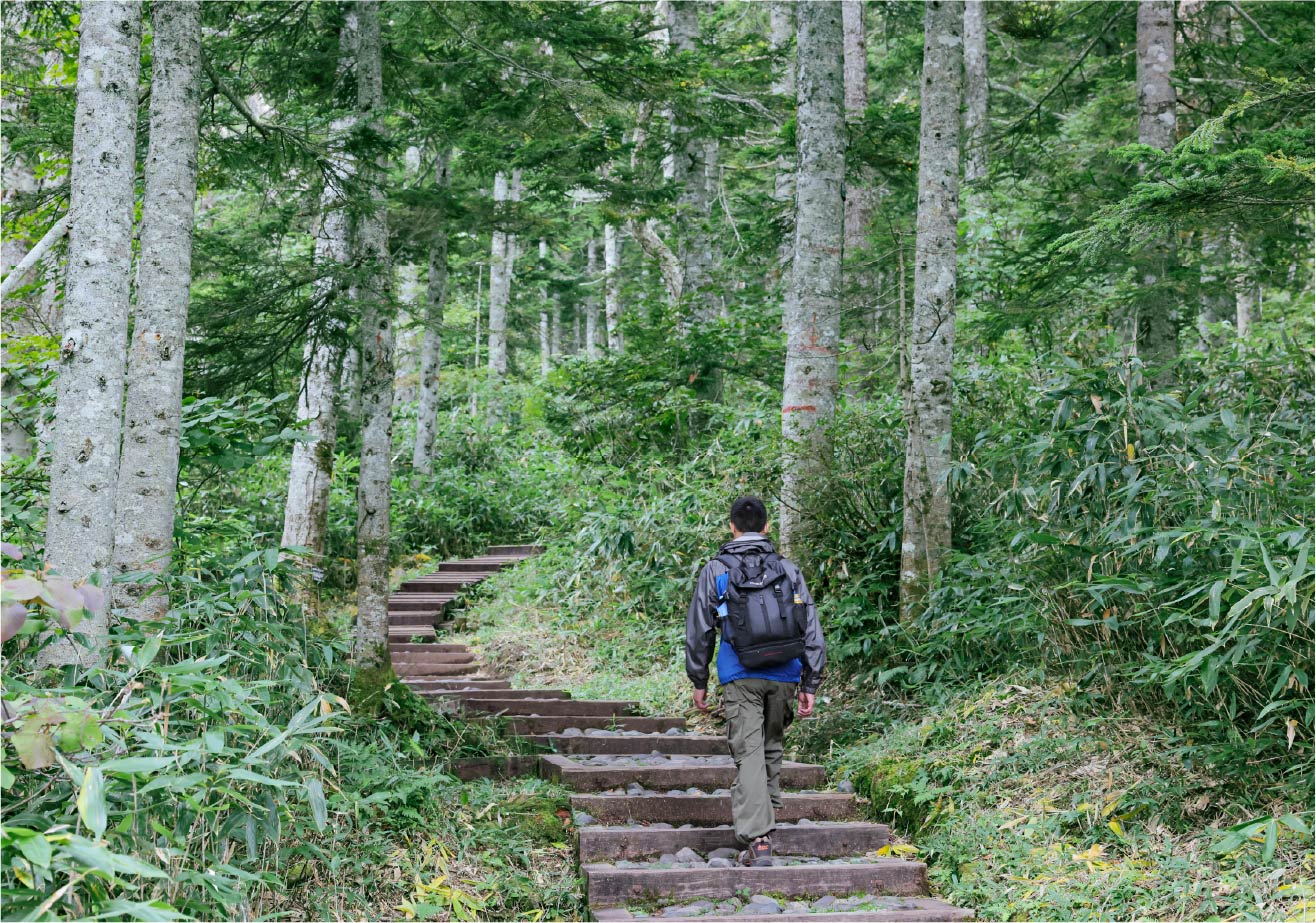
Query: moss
[[366, 694], [889, 782]]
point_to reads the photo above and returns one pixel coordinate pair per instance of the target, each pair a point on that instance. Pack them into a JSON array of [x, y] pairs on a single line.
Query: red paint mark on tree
[[800, 408]]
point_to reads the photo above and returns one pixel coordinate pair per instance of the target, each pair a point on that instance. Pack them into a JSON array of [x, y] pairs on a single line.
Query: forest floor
[[1024, 803]]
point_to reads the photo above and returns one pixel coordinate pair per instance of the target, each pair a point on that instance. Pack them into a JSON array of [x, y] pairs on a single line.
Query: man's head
[[748, 514]]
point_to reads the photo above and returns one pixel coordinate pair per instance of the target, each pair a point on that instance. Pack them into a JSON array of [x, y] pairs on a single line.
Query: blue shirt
[[729, 667]]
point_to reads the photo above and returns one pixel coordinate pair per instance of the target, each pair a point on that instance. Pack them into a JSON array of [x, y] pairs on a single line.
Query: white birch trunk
[[84, 464], [370, 243], [501, 262], [812, 309], [431, 346], [1157, 127], [612, 286], [153, 407], [592, 300], [931, 345], [976, 124], [555, 331], [325, 368]]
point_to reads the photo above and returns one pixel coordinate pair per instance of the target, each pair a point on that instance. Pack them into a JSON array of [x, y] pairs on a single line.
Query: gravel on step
[[687, 858], [766, 905]]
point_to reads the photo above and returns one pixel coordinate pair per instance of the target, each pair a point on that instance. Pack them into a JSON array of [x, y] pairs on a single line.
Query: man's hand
[[806, 704], [701, 699]]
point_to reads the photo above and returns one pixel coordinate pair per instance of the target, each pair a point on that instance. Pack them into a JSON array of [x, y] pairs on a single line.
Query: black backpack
[[765, 618]]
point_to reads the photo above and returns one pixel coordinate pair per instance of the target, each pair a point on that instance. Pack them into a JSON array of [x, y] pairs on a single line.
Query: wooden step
[[476, 566], [451, 583], [434, 669], [547, 707], [501, 693], [609, 887], [896, 910], [407, 632], [417, 602], [522, 550], [554, 724], [409, 657], [685, 771], [397, 648], [473, 681], [611, 844], [641, 743], [708, 810]]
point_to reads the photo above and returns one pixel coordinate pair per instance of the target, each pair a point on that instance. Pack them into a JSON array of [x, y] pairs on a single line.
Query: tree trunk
[[781, 32], [592, 300], [860, 193], [690, 173], [545, 330], [1157, 127], [370, 245], [84, 464], [555, 327], [976, 124], [1245, 290], [812, 308], [501, 262], [431, 346], [325, 369], [612, 286], [153, 407], [927, 400], [1216, 301]]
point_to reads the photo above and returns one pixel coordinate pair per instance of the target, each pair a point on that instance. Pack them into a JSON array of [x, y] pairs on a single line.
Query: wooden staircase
[[653, 803]]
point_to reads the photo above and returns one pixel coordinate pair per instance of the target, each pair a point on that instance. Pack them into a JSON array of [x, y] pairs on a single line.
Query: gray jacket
[[701, 622]]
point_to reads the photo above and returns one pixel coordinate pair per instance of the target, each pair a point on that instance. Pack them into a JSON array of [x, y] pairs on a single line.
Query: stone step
[[468, 694], [547, 707], [638, 743], [409, 657], [555, 724], [607, 886], [683, 771], [610, 844], [397, 648], [708, 810], [434, 669], [473, 681], [895, 910], [522, 550]]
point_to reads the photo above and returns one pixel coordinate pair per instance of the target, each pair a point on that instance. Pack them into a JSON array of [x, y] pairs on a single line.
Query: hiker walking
[[771, 657]]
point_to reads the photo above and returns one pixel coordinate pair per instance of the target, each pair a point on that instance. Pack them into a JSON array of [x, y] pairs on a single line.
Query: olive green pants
[[758, 711]]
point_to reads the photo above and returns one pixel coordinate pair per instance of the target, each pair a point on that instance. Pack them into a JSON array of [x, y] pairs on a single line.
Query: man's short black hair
[[748, 514]]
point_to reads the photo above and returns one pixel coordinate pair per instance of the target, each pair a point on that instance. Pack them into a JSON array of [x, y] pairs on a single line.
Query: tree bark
[[370, 243], [153, 407], [545, 329], [1157, 127], [84, 464], [812, 308], [612, 286], [1245, 290], [928, 395], [431, 345], [861, 192], [781, 33], [502, 259], [976, 125], [690, 154], [326, 370], [592, 300]]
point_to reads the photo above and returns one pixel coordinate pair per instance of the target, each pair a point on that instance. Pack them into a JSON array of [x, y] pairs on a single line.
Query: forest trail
[[652, 804]]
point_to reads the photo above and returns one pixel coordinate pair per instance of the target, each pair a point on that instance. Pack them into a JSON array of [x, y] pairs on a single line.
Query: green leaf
[[1272, 840], [154, 912], [6, 778], [100, 858], [80, 731], [91, 801], [138, 764], [33, 744], [319, 810], [34, 846], [248, 776]]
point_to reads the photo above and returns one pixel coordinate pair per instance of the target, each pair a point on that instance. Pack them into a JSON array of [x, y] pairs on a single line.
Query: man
[[759, 702]]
